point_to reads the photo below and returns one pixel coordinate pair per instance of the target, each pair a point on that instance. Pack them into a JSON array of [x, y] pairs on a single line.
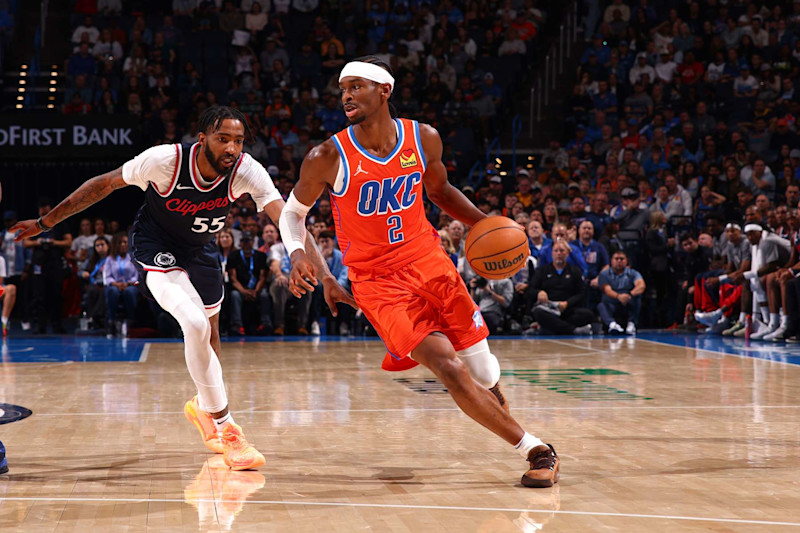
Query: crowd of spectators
[[682, 151], [671, 202], [278, 62]]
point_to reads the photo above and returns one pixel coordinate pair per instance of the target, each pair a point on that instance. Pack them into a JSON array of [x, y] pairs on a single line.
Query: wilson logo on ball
[[505, 264]]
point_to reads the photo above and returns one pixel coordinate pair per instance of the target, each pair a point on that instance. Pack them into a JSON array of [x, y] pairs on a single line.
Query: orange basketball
[[496, 247]]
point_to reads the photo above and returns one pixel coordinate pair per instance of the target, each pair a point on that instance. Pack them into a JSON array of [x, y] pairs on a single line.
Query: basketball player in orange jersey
[[402, 280], [188, 194]]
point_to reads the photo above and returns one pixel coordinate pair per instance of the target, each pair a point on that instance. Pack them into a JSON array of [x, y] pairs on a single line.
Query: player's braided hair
[[377, 61], [211, 119]]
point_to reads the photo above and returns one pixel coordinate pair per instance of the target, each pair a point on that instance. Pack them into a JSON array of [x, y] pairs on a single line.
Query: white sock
[[224, 421], [742, 317], [527, 443], [784, 319], [5, 320], [774, 320]]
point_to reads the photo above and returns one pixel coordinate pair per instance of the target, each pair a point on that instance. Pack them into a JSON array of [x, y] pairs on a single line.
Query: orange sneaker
[[204, 424], [238, 453]]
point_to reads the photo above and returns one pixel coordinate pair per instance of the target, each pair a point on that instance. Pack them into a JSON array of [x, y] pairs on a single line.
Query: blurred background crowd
[[678, 134]]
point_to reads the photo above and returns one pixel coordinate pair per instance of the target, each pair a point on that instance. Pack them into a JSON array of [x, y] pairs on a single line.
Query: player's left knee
[[482, 364]]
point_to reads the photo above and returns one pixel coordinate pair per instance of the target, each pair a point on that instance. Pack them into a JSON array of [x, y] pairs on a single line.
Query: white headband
[[733, 225], [368, 71], [752, 227]]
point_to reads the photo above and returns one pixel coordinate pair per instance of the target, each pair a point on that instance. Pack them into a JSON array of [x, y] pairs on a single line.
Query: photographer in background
[[47, 271], [493, 298]]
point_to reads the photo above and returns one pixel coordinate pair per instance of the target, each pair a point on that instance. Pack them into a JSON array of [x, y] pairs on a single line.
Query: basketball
[[496, 247]]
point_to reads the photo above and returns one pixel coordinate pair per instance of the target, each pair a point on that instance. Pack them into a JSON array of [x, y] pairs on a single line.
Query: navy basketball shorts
[[201, 264]]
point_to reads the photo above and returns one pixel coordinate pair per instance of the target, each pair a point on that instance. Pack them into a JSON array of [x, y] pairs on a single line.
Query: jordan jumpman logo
[[360, 170]]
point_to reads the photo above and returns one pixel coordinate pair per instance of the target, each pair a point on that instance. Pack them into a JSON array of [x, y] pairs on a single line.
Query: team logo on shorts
[[477, 319], [164, 259], [408, 158]]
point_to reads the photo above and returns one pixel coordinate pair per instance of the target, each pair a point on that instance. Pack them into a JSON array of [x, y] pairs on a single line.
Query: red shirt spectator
[[526, 30], [690, 70]]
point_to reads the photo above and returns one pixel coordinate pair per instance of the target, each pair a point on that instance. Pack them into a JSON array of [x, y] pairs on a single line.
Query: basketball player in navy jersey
[[188, 193]]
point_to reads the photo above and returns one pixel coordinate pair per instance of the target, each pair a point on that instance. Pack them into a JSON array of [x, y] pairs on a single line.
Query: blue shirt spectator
[[82, 62], [119, 269], [594, 255], [333, 120], [621, 283], [575, 257], [597, 47]]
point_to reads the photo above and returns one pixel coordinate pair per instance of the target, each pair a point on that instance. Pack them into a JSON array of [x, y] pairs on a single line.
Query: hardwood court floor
[[652, 438]]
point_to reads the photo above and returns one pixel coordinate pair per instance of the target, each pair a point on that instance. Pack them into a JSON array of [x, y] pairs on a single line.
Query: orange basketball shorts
[[420, 298]]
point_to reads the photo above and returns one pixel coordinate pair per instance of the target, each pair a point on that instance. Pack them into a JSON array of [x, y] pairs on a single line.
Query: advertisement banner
[[50, 135]]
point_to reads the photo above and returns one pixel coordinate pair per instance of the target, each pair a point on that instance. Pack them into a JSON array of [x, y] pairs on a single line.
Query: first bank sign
[[50, 135]]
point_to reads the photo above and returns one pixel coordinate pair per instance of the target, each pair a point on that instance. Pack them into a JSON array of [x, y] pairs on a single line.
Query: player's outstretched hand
[[335, 293], [26, 228], [303, 277]]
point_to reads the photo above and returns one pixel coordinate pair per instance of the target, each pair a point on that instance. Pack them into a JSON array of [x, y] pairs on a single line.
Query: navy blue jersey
[[187, 214]]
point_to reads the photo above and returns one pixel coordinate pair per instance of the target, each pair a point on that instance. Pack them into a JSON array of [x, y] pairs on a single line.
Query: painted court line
[[145, 352], [578, 346], [742, 356], [425, 410], [401, 506]]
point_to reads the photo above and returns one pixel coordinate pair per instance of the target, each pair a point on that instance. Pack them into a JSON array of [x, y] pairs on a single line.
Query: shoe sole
[[191, 416], [534, 483]]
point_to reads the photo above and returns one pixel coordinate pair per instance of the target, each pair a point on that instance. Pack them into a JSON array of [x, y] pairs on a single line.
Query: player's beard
[[215, 162], [358, 119]]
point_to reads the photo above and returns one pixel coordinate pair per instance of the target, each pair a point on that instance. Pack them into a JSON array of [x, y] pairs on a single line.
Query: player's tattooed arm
[[89, 193]]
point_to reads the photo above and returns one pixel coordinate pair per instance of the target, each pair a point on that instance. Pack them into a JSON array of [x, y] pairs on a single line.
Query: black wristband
[[41, 225]]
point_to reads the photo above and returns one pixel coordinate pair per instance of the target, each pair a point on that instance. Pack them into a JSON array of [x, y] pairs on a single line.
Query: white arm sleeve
[[155, 165], [293, 224]]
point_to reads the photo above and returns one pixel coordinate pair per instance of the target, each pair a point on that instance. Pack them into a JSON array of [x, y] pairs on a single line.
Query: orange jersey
[[377, 204]]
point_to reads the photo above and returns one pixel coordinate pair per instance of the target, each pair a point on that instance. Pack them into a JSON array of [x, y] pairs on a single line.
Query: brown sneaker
[[500, 398], [544, 464]]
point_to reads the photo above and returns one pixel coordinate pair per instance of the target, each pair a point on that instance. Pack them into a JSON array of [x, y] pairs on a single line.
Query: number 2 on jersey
[[201, 224], [395, 223]]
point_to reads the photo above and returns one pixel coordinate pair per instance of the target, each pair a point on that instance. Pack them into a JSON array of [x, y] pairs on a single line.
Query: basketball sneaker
[[755, 326], [761, 330], [736, 326], [499, 395], [204, 424], [721, 326], [778, 335], [238, 453], [3, 461], [709, 318], [544, 465], [615, 329]]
